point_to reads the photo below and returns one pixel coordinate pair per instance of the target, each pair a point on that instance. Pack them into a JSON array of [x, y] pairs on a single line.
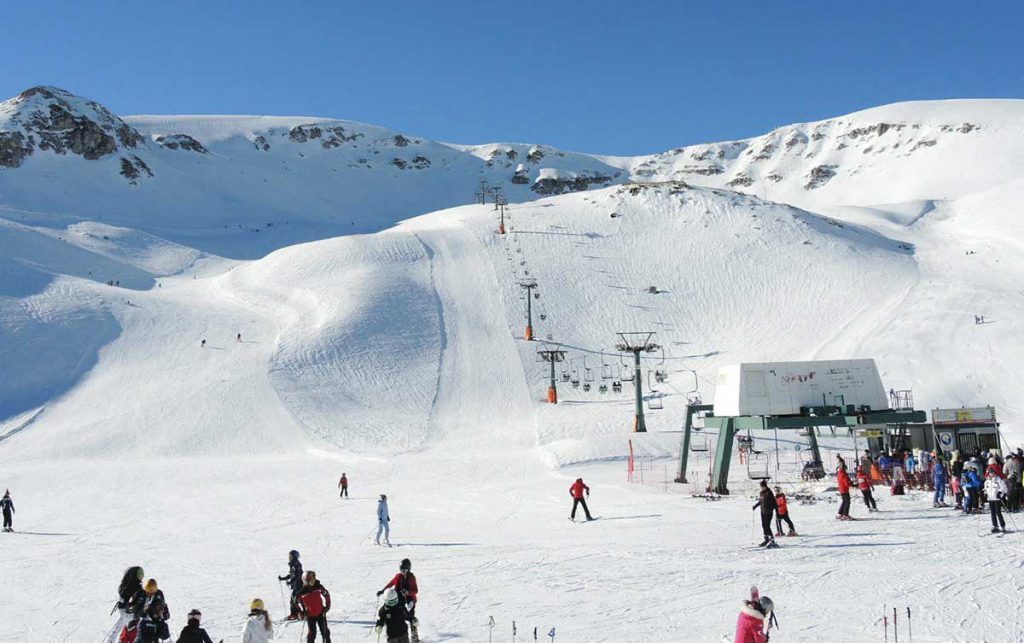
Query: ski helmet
[[140, 573], [195, 614], [293, 554], [405, 565], [151, 586], [391, 597], [767, 605], [257, 604], [383, 496]]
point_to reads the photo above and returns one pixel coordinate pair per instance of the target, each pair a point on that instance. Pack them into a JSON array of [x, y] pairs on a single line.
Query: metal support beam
[[723, 455], [684, 455]]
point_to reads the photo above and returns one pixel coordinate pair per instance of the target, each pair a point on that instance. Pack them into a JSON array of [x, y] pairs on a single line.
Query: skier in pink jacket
[[750, 624]]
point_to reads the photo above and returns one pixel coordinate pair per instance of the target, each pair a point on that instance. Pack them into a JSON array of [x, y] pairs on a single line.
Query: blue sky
[[598, 76]]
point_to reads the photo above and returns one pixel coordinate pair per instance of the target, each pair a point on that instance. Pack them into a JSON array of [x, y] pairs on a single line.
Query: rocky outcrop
[[261, 144], [552, 182], [521, 175], [329, 135], [182, 142], [13, 149], [819, 176], [133, 168]]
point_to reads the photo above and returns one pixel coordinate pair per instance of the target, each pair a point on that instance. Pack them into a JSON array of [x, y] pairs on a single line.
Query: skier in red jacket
[[314, 602], [843, 482], [865, 486], [404, 583], [576, 491]]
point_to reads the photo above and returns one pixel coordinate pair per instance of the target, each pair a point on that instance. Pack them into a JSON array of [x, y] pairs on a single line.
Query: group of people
[[773, 503], [143, 612]]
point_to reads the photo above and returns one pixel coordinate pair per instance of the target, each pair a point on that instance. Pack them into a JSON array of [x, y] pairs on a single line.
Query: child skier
[[939, 481], [404, 583], [995, 489], [865, 486], [258, 626], [766, 501], [393, 615], [294, 580], [153, 614], [782, 513], [576, 491], [192, 633]]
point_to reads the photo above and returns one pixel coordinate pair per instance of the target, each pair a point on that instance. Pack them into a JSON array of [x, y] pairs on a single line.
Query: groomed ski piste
[[398, 358]]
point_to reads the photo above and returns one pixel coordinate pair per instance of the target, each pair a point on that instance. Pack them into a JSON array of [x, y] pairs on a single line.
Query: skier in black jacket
[[8, 508], [766, 501], [131, 584], [294, 579], [192, 633], [393, 615]]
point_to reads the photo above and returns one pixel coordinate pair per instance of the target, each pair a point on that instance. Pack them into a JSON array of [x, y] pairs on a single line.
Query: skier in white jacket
[[258, 627], [995, 489], [383, 520]]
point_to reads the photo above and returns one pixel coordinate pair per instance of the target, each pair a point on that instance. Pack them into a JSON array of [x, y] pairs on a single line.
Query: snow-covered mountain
[[222, 312]]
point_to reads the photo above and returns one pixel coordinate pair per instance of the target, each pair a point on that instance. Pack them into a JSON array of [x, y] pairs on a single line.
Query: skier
[[258, 626], [202, 344], [8, 508], [995, 488], [153, 614], [994, 467], [865, 486], [866, 461], [294, 580], [843, 482], [956, 470], [343, 485], [782, 513], [315, 602], [750, 624], [192, 633], [972, 487], [383, 520], [576, 491], [393, 615], [766, 501], [404, 583], [131, 584], [885, 464], [939, 481]]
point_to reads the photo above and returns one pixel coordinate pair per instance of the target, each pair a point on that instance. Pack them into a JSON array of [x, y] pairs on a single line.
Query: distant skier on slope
[[315, 602], [404, 583], [238, 337], [383, 520], [995, 489], [202, 344], [7, 505], [782, 513], [343, 485], [843, 482], [576, 491], [750, 624], [131, 584], [294, 580], [865, 486], [766, 501]]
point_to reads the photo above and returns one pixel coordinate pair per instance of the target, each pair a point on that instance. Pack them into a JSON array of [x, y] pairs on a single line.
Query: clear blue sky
[[598, 76]]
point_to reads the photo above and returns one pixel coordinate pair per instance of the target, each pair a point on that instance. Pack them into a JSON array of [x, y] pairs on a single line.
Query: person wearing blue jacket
[[885, 465], [972, 486], [383, 520], [939, 480]]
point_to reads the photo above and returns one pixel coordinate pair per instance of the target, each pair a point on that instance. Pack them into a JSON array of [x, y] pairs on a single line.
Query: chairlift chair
[[602, 389], [586, 387], [654, 401], [616, 386], [606, 369], [757, 465], [698, 440]]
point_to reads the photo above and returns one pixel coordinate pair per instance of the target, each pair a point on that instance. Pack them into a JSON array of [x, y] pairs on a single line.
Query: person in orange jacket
[[843, 482], [782, 513], [576, 491], [864, 483]]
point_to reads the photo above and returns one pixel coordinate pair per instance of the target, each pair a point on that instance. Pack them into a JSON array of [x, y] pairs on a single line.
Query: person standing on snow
[[782, 513], [995, 489], [393, 616], [153, 614], [258, 626], [939, 481], [865, 486], [383, 520], [766, 501], [843, 483], [315, 602], [131, 584], [294, 580], [404, 583], [972, 488], [750, 624], [192, 633], [576, 491], [343, 485], [8, 510]]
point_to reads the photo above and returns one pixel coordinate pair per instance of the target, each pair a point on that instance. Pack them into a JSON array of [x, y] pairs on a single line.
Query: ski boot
[[779, 534], [792, 533], [995, 530], [765, 542], [771, 544]]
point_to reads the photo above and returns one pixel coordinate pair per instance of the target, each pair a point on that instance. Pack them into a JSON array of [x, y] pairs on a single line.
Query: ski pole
[[513, 632], [283, 601], [885, 624], [910, 628], [895, 628], [552, 635], [490, 630]]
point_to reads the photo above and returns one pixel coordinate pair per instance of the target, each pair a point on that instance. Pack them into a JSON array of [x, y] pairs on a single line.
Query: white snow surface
[[396, 355]]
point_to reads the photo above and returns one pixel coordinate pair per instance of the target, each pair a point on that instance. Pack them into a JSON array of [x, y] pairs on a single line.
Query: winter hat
[[257, 604], [391, 597], [778, 489], [151, 586], [405, 565], [383, 496]]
